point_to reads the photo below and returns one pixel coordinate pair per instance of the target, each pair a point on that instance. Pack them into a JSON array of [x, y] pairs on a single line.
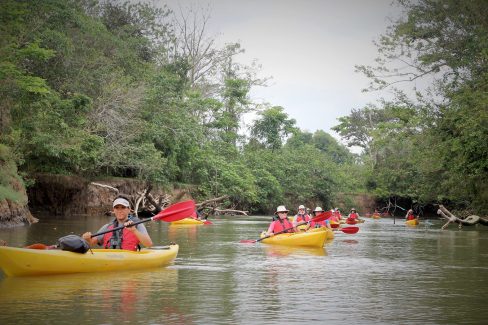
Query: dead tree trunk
[[468, 221]]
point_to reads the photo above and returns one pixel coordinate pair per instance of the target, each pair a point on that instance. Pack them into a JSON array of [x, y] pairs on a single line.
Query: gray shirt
[[139, 227]]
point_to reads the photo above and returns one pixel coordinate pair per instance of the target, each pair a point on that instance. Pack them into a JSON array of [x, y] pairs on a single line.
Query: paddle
[[174, 212], [321, 217], [349, 230]]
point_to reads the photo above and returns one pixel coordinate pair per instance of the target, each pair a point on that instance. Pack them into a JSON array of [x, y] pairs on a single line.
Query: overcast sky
[[309, 47]]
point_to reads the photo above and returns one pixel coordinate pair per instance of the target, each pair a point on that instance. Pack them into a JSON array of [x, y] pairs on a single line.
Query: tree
[[272, 127], [443, 42]]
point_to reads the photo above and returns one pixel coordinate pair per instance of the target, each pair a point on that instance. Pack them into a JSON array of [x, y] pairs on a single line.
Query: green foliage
[[104, 89], [429, 152], [9, 176], [272, 127]]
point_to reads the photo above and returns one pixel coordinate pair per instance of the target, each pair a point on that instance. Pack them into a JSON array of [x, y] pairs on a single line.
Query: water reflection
[[103, 294], [391, 271], [277, 250]]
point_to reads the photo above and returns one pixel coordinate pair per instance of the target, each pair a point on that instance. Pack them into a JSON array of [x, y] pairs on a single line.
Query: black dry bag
[[73, 243]]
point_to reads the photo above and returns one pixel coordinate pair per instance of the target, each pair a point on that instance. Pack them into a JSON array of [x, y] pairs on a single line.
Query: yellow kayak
[[302, 239], [329, 232], [24, 261], [188, 221], [412, 222]]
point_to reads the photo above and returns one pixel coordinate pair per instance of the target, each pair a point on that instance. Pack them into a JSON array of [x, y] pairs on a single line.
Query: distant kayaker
[[336, 215], [410, 215], [353, 214], [301, 216], [376, 214], [323, 223], [281, 223], [127, 238]]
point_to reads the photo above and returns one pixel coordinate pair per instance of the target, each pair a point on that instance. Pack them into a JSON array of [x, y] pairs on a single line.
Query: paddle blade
[[323, 216], [206, 222], [335, 225], [177, 211], [36, 246], [350, 230], [248, 241]]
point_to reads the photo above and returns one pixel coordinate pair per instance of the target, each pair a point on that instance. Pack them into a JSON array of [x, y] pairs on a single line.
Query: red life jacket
[[278, 226], [318, 224], [353, 215], [410, 217], [129, 241], [302, 218]]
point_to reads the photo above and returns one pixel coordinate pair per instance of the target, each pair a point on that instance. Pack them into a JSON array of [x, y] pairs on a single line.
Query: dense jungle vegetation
[[105, 88]]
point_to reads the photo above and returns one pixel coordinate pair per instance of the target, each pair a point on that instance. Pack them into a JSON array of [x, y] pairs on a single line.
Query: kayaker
[[301, 216], [353, 214], [323, 223], [410, 215], [336, 215], [127, 238], [376, 214], [281, 223]]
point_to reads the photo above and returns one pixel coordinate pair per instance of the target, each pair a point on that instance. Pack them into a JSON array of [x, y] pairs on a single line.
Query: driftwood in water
[[210, 207], [142, 201], [230, 211], [468, 221]]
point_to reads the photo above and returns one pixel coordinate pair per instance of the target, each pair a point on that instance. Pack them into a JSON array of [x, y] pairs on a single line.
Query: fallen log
[[230, 211], [468, 221]]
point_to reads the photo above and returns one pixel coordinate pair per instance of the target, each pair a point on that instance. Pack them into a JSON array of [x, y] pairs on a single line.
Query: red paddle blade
[[176, 211], [350, 230], [323, 216], [37, 246], [335, 225], [248, 241], [206, 222]]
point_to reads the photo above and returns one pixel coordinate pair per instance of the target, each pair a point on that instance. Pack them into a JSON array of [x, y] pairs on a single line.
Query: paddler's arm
[[91, 241], [142, 236], [270, 230]]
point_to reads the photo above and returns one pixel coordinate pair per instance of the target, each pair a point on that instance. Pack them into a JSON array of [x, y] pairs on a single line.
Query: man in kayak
[[410, 215], [281, 223], [127, 238], [301, 216]]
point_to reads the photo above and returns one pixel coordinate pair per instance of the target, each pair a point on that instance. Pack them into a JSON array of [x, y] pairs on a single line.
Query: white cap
[[121, 201], [301, 207], [318, 209]]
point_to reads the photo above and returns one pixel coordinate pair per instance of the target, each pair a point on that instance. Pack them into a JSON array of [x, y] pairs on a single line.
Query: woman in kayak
[[127, 238], [323, 223], [281, 223]]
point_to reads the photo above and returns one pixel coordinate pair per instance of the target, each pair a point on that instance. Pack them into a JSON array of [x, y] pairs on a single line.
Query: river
[[385, 274]]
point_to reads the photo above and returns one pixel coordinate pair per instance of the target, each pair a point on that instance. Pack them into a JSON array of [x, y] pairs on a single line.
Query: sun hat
[[281, 208], [121, 201], [318, 209], [353, 209], [301, 207]]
